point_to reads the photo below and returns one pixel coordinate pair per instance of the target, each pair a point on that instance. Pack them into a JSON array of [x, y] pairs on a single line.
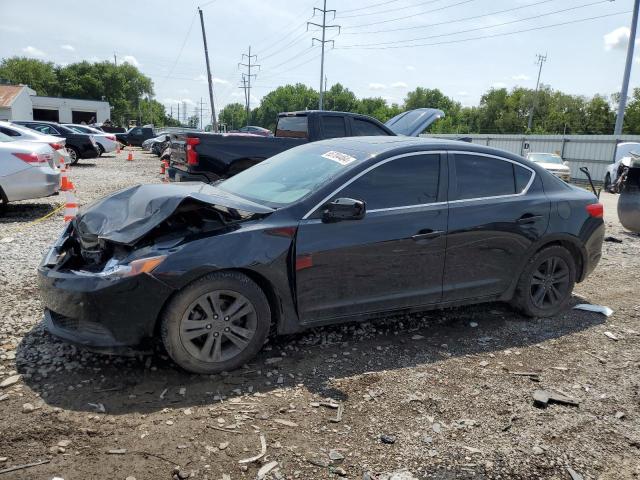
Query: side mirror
[[344, 209], [166, 138]]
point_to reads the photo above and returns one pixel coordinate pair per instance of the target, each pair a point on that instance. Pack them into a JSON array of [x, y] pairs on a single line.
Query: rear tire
[[216, 324], [3, 202], [74, 155], [100, 150], [546, 283]]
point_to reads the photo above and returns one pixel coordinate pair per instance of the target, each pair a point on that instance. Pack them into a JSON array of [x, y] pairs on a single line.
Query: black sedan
[[79, 145], [328, 232]]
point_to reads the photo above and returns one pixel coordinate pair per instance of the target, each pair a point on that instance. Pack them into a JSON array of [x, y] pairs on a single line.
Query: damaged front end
[[96, 281]]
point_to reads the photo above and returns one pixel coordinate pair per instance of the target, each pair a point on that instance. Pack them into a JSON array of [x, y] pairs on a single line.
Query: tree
[[632, 114], [193, 121], [38, 75], [284, 99], [233, 115], [340, 99]]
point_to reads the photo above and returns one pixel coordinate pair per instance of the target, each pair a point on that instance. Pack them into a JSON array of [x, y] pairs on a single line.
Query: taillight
[[595, 210], [57, 146], [32, 158], [111, 137], [192, 155]]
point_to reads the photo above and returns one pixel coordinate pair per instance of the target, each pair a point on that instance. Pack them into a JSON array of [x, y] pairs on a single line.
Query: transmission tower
[[540, 62], [322, 42], [246, 78]]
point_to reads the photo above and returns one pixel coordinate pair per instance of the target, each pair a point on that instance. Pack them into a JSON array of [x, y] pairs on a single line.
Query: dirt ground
[[447, 394]]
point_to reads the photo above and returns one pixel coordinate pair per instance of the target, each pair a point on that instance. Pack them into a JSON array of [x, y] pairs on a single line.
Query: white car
[[27, 170], [20, 133], [623, 151], [106, 141], [552, 163]]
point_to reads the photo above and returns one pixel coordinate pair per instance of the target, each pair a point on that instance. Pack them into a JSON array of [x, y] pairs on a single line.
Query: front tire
[[100, 150], [546, 283], [217, 323]]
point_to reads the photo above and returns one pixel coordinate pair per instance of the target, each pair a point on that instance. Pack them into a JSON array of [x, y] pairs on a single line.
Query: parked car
[[18, 132], [135, 136], [106, 141], [209, 157], [156, 145], [254, 130], [553, 163], [78, 145], [27, 170], [327, 232], [623, 151]]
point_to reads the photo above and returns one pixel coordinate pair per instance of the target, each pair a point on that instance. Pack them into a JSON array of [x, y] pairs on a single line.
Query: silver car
[[553, 163], [18, 132], [27, 170]]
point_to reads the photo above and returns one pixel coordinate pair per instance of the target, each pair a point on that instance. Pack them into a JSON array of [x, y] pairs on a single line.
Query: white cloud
[[411, 68], [462, 93], [69, 48], [201, 78], [237, 94], [399, 85], [33, 52], [377, 86], [499, 85], [131, 60], [520, 77], [617, 39], [219, 81], [174, 101], [183, 90]]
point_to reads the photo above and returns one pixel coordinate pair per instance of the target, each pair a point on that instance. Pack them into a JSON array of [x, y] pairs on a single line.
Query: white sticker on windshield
[[341, 158]]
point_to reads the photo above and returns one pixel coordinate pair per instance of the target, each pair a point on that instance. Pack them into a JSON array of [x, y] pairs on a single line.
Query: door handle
[[528, 218], [427, 234]]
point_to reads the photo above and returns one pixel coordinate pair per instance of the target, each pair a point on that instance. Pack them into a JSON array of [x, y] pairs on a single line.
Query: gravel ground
[[445, 395]]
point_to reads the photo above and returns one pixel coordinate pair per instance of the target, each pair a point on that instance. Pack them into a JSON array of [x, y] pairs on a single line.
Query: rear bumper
[[34, 182], [594, 237], [108, 145], [177, 175], [89, 151]]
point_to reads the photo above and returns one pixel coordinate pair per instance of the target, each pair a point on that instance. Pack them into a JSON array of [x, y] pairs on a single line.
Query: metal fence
[[592, 151]]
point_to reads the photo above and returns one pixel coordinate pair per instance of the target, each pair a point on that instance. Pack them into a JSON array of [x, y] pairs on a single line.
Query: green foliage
[[632, 116], [126, 89], [234, 116], [284, 99]]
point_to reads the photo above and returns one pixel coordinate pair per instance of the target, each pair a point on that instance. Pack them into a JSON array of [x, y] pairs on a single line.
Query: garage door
[[86, 117], [46, 115]]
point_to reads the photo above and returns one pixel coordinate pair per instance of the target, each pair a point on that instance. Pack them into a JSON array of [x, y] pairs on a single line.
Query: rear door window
[[292, 127], [46, 129], [403, 182], [9, 132], [363, 128], [478, 176], [333, 126]]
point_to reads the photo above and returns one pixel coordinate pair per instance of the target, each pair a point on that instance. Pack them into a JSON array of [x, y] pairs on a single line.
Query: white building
[[19, 102]]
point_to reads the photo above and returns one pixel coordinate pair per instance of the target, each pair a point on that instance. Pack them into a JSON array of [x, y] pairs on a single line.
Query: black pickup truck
[[135, 136], [209, 157]]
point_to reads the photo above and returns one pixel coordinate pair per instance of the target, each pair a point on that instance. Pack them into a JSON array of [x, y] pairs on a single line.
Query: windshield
[[291, 175], [5, 138], [545, 158]]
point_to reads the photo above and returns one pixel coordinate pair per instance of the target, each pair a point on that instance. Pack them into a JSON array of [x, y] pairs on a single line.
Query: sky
[[383, 48]]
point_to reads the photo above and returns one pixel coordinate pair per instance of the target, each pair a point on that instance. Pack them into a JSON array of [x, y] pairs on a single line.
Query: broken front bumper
[[101, 313]]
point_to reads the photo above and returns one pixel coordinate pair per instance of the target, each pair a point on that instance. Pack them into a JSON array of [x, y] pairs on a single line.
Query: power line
[[447, 22], [447, 42], [480, 28], [285, 47], [322, 42], [247, 77], [184, 42], [410, 16], [391, 9], [370, 6]]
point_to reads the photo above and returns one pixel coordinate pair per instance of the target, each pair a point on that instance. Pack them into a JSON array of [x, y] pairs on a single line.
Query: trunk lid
[[413, 122], [126, 216]]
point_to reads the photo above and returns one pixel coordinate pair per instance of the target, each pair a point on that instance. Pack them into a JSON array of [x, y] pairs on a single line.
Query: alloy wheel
[[550, 283], [218, 325], [72, 155]]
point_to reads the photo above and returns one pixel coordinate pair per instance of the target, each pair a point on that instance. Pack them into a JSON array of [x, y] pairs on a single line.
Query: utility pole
[[115, 59], [322, 42], [246, 101], [171, 110], [209, 78], [178, 112], [247, 77], [184, 112], [540, 61], [622, 104]]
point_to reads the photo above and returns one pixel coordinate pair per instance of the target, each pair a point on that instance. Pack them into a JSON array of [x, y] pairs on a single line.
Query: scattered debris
[[537, 450], [541, 398], [263, 452], [23, 467], [417, 337], [612, 239], [611, 336], [99, 407], [587, 307], [338, 417], [619, 415], [12, 380], [271, 361], [600, 359], [473, 449], [28, 408], [262, 473], [335, 455], [318, 462], [574, 475], [117, 451], [388, 439], [286, 423], [473, 324], [534, 376]]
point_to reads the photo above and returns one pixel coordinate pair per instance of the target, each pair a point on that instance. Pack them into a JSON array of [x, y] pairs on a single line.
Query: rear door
[[390, 259], [497, 209]]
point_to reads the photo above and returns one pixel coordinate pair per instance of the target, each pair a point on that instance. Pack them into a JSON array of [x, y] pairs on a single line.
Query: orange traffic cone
[[130, 156], [166, 171], [70, 206], [163, 167], [117, 147], [65, 183]]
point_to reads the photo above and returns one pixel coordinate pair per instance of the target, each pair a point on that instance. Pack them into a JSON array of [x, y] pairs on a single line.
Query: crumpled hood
[[127, 215]]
